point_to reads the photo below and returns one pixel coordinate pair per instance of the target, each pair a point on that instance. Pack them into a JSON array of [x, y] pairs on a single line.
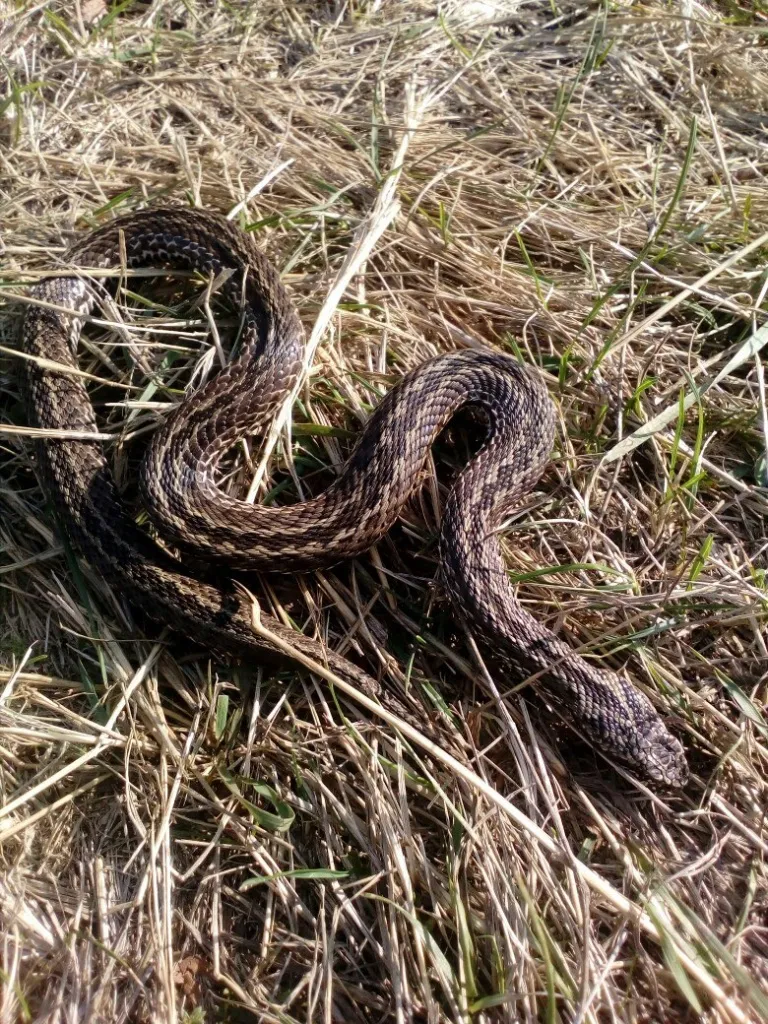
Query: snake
[[182, 574]]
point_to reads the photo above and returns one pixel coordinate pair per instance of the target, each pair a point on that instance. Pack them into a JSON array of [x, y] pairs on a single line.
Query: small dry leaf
[[187, 974]]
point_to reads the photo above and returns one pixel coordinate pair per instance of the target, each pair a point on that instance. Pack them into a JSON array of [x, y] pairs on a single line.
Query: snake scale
[[188, 507]]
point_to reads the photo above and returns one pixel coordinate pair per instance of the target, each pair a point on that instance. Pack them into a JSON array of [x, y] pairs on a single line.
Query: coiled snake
[[183, 498]]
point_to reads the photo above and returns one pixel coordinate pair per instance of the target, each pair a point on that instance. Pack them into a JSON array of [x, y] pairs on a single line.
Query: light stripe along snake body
[[188, 507]]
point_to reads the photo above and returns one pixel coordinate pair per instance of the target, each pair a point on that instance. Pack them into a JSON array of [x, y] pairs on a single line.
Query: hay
[[583, 185]]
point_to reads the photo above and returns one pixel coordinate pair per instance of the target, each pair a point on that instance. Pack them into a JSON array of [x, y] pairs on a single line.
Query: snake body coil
[[186, 504]]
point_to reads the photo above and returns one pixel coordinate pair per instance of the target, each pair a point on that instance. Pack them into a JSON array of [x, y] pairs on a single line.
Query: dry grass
[[583, 184]]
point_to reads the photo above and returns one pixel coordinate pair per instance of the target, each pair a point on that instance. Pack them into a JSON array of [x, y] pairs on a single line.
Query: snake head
[[629, 728], [664, 759]]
